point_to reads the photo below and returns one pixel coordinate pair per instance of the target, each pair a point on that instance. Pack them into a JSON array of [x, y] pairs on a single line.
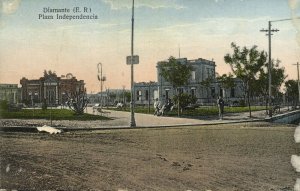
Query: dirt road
[[228, 157]]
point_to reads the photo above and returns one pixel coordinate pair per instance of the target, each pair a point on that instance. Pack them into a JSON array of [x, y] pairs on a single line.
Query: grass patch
[[57, 114], [200, 111]]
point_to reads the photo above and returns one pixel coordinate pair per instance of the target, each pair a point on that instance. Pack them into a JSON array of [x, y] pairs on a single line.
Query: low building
[[145, 93], [203, 85], [50, 88], [110, 97], [10, 92]]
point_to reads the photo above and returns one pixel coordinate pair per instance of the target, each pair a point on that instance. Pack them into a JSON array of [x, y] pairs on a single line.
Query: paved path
[[149, 120]]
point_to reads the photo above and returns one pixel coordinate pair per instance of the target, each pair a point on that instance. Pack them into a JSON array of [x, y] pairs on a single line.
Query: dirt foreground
[[249, 156]]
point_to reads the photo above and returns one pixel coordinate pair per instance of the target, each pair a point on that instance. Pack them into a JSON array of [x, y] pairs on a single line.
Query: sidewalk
[[122, 119]]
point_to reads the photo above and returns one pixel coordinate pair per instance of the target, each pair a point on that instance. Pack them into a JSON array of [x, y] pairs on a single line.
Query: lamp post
[[132, 119], [101, 79]]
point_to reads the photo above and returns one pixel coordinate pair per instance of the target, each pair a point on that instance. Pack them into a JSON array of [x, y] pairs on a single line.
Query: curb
[[70, 129]]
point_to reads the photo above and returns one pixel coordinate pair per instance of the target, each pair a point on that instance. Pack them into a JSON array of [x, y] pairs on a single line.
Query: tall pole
[[149, 90], [132, 119], [101, 82], [50, 92], [270, 71], [269, 33], [298, 83]]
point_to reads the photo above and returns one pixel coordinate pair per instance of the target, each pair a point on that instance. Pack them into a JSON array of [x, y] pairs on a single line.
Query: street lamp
[[132, 119], [101, 79]]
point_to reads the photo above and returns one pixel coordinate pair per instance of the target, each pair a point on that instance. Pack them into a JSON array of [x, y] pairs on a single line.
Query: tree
[[77, 102], [245, 64], [177, 74], [292, 90], [49, 73], [261, 85]]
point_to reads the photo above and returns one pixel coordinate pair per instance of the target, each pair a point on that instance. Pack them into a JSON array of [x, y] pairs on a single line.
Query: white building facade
[[205, 93], [10, 92]]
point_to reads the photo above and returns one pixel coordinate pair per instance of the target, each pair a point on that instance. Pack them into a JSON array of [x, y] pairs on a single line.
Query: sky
[[198, 28]]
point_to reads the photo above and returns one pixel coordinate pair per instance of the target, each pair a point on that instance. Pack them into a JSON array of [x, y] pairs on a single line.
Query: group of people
[[161, 108]]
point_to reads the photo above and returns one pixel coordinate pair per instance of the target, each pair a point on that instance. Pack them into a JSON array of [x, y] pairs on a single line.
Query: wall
[[286, 117]]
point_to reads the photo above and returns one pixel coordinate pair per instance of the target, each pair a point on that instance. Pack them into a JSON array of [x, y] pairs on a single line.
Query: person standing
[[220, 103], [156, 107]]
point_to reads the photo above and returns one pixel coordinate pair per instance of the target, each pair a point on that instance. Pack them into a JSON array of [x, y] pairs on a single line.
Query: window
[[167, 93], [193, 92], [138, 95], [232, 92], [213, 92], [221, 92], [155, 94], [193, 75], [147, 95]]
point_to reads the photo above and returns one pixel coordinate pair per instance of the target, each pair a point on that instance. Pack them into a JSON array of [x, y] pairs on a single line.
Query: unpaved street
[[229, 157]]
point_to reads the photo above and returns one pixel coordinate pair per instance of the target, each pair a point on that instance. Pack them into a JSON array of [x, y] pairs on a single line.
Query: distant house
[[50, 88], [145, 92], [10, 92], [109, 97]]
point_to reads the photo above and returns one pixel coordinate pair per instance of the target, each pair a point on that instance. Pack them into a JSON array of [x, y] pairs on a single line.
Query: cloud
[[295, 8], [9, 6], [294, 4], [297, 185], [295, 160], [154, 4], [297, 135]]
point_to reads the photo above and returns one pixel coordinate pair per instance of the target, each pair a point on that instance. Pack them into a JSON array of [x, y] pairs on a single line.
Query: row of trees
[[247, 64]]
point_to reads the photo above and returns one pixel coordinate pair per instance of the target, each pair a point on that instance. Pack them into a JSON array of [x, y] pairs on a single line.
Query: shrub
[[185, 100], [4, 105]]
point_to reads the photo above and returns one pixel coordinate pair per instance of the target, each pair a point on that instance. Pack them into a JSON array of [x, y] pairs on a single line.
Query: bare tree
[[77, 102]]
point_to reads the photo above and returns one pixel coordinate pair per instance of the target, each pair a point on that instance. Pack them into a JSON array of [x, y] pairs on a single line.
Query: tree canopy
[[261, 85], [176, 73], [245, 64], [292, 90], [226, 81]]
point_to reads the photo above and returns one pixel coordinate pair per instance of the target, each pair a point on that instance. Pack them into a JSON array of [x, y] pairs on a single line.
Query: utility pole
[[269, 34], [132, 119], [298, 82]]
